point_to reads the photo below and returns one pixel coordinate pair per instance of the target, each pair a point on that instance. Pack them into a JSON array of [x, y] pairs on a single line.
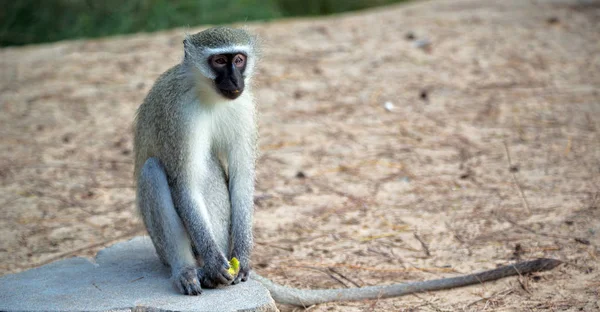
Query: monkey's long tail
[[308, 297]]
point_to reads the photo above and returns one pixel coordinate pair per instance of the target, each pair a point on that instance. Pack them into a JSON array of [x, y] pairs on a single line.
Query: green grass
[[36, 21]]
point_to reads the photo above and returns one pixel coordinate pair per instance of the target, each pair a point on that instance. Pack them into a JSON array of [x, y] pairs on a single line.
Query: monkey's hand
[[186, 281], [244, 272], [215, 271]]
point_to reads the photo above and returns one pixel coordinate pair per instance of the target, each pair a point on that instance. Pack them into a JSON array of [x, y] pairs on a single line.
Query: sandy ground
[[488, 151]]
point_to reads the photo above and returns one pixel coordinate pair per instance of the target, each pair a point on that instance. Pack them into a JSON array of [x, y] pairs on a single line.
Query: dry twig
[[523, 198]]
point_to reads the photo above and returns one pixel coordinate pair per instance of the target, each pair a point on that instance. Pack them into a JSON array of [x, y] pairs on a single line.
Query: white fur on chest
[[214, 131]]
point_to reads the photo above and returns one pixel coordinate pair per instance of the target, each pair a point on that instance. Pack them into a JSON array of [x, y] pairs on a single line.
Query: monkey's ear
[[186, 41], [187, 46]]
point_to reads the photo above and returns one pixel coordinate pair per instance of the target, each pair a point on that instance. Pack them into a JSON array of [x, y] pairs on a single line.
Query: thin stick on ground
[[328, 274], [523, 198], [423, 244], [333, 270], [495, 295]]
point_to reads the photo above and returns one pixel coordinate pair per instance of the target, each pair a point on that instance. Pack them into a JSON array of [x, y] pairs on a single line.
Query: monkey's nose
[[231, 94]]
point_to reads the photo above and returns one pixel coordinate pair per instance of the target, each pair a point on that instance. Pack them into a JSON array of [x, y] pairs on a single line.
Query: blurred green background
[[36, 21]]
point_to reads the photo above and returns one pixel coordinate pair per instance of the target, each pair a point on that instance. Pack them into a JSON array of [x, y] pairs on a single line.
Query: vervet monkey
[[195, 138], [195, 153]]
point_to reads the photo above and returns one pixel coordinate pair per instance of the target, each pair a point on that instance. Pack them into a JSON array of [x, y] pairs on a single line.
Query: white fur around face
[[205, 53]]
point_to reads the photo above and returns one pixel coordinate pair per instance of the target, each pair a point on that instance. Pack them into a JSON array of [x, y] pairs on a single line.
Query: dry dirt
[[490, 153]]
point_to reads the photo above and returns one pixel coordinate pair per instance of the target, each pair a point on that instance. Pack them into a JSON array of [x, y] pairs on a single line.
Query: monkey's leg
[[191, 205], [168, 234]]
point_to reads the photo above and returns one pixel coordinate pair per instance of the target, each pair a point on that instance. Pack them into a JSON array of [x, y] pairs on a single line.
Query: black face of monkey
[[229, 70]]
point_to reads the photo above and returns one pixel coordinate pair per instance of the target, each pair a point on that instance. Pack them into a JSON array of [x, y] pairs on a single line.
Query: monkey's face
[[229, 73]]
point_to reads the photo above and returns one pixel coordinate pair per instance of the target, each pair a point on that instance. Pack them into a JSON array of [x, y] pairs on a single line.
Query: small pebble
[[389, 106], [552, 20], [424, 44]]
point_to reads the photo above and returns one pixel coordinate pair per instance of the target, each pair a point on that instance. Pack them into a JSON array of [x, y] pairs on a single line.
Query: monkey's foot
[[187, 282], [242, 275], [213, 276]]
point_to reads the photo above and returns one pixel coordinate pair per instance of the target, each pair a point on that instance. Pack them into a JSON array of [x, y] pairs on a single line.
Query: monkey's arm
[[308, 297], [191, 208], [241, 190]]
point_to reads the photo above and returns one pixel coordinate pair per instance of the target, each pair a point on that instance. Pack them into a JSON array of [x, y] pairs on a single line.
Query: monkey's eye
[[219, 61], [239, 60]]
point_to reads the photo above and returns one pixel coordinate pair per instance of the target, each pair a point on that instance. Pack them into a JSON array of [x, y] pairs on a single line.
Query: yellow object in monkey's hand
[[234, 266]]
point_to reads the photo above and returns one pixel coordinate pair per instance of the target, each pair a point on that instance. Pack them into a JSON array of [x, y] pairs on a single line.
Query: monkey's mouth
[[231, 94]]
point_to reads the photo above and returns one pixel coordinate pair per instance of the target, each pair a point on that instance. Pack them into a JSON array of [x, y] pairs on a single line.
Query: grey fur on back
[[153, 124]]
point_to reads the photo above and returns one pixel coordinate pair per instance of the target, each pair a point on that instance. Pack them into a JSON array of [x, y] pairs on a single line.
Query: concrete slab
[[125, 277]]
